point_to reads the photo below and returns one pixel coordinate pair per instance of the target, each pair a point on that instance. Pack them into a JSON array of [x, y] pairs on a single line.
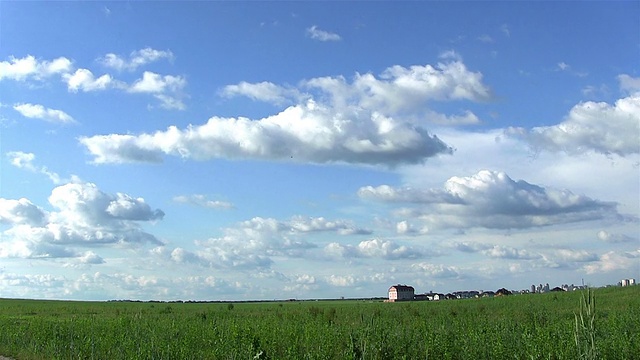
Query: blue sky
[[230, 151]]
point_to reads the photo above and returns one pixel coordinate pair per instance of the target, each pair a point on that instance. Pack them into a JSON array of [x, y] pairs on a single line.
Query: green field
[[535, 326]]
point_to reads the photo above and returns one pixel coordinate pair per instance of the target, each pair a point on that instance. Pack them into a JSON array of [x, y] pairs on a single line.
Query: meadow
[[532, 326]]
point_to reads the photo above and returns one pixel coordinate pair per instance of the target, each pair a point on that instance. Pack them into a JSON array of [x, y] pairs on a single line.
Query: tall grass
[[585, 330], [535, 326]]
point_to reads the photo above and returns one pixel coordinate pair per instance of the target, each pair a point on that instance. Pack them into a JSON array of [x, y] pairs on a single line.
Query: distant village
[[402, 292]]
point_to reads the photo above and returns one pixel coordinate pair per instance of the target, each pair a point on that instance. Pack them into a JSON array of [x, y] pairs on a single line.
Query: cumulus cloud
[[376, 248], [201, 200], [84, 80], [30, 68], [492, 199], [612, 261], [398, 89], [36, 111], [253, 243], [317, 34], [340, 280], [367, 121], [136, 59], [306, 132], [155, 83], [21, 212], [166, 88], [568, 258], [497, 251], [84, 216], [40, 283], [90, 257], [591, 126], [437, 270], [407, 228], [305, 279]]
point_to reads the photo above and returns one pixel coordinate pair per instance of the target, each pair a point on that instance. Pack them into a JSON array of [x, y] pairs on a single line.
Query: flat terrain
[[533, 326]]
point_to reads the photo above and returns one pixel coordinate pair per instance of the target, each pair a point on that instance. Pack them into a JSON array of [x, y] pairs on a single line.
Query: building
[[401, 293], [627, 282]]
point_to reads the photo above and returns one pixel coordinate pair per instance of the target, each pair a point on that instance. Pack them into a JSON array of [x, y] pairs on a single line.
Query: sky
[[278, 150]]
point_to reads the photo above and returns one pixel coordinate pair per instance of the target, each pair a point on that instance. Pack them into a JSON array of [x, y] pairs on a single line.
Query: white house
[[401, 293]]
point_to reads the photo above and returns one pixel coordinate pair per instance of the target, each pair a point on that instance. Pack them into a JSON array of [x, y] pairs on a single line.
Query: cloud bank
[[84, 216], [491, 199], [371, 120]]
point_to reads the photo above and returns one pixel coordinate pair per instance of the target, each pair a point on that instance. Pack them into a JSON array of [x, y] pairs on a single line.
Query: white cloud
[[167, 89], [253, 243], [40, 284], [568, 258], [36, 111], [305, 279], [90, 257], [396, 91], [591, 126], [341, 280], [613, 261], [614, 238], [155, 83], [493, 200], [362, 122], [263, 91], [21, 212], [596, 91], [315, 33], [376, 248], [451, 55], [507, 252], [201, 200], [136, 59], [563, 66], [303, 133], [437, 270], [407, 195], [401, 90], [24, 160], [466, 118], [85, 216], [84, 80], [629, 84], [497, 251], [407, 228], [311, 224], [31, 68]]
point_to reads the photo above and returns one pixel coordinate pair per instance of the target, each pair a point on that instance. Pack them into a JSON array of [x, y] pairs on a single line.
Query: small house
[[401, 293]]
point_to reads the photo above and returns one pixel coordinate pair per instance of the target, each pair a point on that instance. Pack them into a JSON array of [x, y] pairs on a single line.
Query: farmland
[[535, 326]]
